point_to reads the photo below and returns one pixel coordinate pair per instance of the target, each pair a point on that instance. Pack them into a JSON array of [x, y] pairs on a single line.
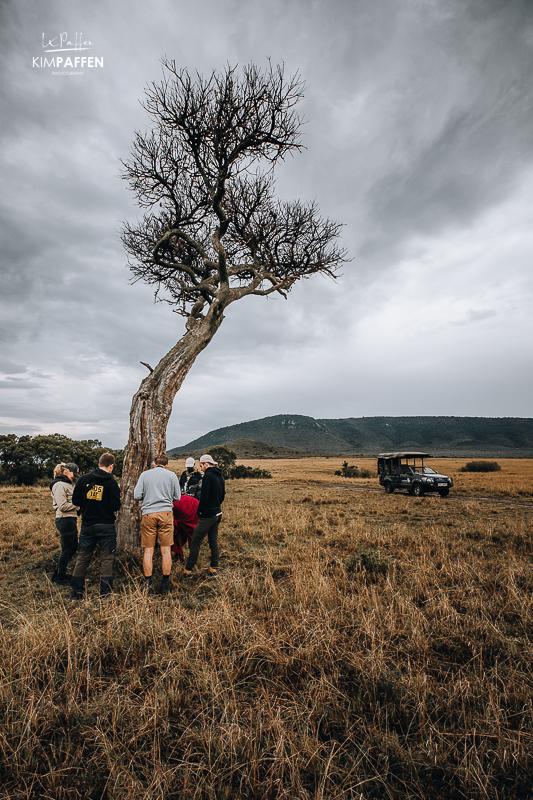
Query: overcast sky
[[419, 140]]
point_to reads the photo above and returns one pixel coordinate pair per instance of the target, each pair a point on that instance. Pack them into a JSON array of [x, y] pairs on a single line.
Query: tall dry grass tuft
[[354, 646]]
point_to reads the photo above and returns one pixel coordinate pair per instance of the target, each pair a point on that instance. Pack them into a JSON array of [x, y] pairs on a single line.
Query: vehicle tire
[[444, 492], [417, 490], [389, 488]]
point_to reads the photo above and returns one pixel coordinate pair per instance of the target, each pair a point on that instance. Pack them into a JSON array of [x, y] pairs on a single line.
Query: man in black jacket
[[212, 495], [98, 495]]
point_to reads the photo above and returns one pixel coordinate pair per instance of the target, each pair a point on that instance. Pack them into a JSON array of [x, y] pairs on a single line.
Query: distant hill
[[248, 448], [443, 436]]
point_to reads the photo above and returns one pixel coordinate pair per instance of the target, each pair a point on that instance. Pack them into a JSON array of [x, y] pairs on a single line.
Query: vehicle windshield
[[410, 469], [429, 471]]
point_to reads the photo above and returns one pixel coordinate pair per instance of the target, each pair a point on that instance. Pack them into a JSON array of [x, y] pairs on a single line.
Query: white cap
[[189, 462], [207, 459]]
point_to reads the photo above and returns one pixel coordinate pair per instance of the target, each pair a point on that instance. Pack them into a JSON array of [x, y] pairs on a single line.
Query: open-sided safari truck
[[407, 471]]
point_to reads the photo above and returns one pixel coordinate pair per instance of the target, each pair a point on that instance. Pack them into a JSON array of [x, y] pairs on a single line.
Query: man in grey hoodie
[[157, 488]]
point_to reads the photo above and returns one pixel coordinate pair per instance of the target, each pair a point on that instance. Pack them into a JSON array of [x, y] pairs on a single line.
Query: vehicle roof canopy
[[404, 455]]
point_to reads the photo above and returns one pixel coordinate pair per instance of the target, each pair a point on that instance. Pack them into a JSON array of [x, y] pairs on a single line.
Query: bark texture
[[149, 414]]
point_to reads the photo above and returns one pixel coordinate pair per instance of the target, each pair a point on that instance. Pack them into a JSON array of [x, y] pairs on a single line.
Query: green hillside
[[445, 436], [248, 448]]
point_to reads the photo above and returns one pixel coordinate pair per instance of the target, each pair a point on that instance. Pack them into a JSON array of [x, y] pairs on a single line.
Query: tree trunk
[[150, 411]]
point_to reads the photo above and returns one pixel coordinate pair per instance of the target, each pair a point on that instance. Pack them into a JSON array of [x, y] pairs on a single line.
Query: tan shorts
[[159, 525]]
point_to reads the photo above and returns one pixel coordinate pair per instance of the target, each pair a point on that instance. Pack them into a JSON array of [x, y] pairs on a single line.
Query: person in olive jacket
[[98, 495], [66, 518], [212, 496]]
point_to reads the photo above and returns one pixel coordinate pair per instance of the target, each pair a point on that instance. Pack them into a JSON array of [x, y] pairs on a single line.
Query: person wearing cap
[[66, 518], [212, 496], [157, 488], [190, 479]]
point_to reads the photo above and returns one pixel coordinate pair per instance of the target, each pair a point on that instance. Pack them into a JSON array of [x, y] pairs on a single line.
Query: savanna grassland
[[355, 645]]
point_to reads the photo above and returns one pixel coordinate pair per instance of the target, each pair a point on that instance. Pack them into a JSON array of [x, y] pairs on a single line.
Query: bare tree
[[213, 231]]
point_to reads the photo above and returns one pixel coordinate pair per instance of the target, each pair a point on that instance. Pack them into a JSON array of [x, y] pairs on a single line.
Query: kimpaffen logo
[[62, 43]]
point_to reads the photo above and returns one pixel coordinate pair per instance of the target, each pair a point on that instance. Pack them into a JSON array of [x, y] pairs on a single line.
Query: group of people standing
[[96, 496], [174, 513]]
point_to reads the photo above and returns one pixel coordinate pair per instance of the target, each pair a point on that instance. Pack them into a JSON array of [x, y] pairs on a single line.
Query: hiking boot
[[78, 588], [166, 588], [106, 586], [64, 581]]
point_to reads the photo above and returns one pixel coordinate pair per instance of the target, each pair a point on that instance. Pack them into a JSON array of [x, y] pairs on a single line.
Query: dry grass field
[[355, 645], [514, 480]]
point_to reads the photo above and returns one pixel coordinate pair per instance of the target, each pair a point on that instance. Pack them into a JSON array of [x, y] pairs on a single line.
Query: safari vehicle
[[407, 471]]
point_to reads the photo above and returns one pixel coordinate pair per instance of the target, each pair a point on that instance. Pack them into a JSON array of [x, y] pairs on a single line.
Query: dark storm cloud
[[10, 368], [17, 383], [471, 161], [445, 99]]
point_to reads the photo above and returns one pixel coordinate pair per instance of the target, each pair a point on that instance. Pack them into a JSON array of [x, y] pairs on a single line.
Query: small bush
[[347, 471], [369, 561], [481, 466], [240, 471]]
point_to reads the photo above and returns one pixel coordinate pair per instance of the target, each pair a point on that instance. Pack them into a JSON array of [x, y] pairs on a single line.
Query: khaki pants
[[159, 525]]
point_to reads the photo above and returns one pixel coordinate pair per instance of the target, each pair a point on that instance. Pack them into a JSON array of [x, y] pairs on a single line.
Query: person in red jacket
[[185, 511]]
